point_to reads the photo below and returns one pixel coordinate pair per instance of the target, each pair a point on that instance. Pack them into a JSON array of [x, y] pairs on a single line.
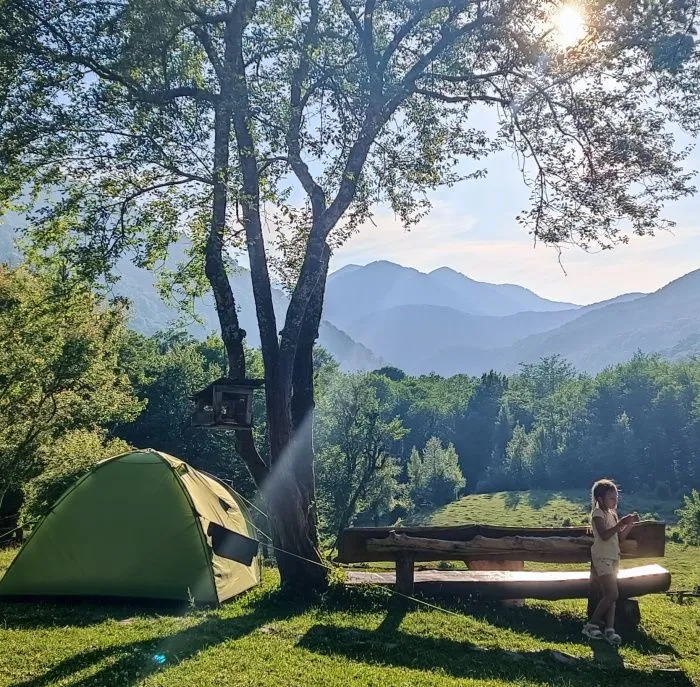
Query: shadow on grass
[[539, 499], [74, 612], [539, 622], [511, 500], [126, 665], [393, 618], [129, 664], [534, 620], [465, 660]]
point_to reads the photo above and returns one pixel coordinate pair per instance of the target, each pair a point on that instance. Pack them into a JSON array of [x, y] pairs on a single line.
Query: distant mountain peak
[[449, 272], [355, 293], [394, 266], [345, 269], [445, 270]]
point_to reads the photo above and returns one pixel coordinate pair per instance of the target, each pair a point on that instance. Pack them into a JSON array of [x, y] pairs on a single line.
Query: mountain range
[[150, 314], [354, 292], [443, 321], [408, 325]]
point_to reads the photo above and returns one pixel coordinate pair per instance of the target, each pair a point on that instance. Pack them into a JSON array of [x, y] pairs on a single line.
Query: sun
[[570, 26]]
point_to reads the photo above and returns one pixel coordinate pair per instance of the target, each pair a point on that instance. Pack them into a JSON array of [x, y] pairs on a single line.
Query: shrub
[[65, 461], [566, 522], [675, 537], [689, 518], [446, 565]]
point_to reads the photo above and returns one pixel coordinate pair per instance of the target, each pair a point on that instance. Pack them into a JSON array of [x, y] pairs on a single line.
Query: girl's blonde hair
[[600, 489]]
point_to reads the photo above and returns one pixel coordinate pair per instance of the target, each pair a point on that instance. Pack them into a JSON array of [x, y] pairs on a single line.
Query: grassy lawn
[[543, 508], [347, 638]]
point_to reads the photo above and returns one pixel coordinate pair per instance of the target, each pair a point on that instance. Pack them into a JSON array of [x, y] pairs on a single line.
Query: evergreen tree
[[434, 476], [475, 431]]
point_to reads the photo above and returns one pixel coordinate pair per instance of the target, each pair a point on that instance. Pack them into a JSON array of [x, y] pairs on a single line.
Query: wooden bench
[[496, 557]]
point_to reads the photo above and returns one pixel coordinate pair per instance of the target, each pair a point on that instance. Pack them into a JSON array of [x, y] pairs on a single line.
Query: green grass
[[350, 638], [542, 508]]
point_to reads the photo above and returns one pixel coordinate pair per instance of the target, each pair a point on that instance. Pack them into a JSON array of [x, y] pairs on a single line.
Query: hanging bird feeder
[[226, 404]]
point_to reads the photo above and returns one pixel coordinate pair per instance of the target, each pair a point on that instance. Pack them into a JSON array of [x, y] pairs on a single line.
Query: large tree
[[217, 117]]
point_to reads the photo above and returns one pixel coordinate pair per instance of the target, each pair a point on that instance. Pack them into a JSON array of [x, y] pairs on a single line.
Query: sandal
[[592, 631], [611, 637]]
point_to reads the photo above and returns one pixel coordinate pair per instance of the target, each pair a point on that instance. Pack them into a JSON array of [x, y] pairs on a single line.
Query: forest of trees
[[78, 385]]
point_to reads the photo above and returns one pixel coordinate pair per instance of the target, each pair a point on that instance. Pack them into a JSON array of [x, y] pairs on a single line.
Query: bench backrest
[[649, 535]]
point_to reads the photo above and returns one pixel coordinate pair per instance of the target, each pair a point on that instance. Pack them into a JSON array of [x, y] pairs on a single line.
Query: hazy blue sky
[[472, 229]]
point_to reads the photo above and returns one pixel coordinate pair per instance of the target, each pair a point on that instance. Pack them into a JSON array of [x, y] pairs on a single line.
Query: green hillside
[[542, 508]]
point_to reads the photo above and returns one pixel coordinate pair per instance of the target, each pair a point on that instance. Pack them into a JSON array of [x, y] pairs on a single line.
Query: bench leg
[[627, 615], [404, 575]]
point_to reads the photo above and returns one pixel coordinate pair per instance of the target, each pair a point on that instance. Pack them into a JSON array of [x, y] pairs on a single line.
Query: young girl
[[608, 531]]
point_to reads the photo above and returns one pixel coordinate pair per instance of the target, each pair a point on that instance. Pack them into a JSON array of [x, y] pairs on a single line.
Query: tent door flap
[[232, 545]]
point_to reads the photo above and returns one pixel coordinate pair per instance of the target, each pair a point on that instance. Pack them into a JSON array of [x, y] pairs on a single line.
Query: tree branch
[[426, 8], [365, 34], [206, 18], [268, 162], [436, 95], [359, 28], [448, 38], [301, 73], [467, 78], [167, 96], [204, 38], [377, 112], [276, 388], [158, 97]]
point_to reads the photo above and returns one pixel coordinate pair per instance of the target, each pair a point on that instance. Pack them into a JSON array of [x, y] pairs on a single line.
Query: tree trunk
[[215, 269], [292, 498], [290, 491], [292, 520]]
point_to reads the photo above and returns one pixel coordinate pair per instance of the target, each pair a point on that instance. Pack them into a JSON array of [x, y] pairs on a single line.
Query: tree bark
[[299, 508], [545, 549], [291, 501], [215, 270]]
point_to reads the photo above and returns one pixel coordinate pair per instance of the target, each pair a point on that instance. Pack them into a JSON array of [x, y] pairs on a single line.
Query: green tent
[[140, 525]]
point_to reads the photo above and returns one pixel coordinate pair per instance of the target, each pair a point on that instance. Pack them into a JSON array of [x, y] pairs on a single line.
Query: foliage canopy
[[59, 368]]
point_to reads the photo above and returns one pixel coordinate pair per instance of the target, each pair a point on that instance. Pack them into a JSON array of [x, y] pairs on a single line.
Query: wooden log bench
[[496, 556]]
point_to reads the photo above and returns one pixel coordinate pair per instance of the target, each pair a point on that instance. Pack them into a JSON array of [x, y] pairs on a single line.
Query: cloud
[[386, 237], [446, 238]]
